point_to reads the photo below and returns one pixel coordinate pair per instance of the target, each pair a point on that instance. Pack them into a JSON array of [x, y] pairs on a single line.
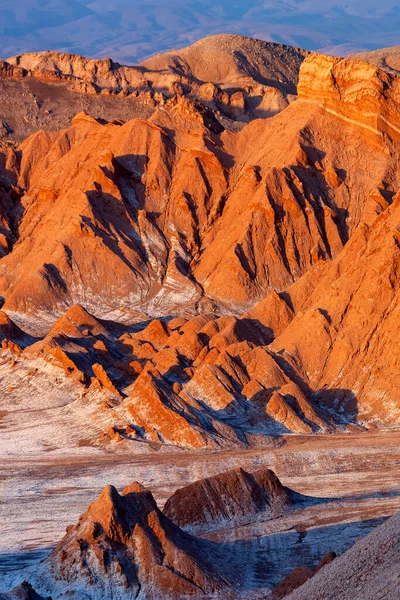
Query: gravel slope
[[368, 571]]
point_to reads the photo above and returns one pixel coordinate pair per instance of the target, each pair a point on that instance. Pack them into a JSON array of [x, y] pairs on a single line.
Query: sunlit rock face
[[275, 250], [124, 545], [198, 259]]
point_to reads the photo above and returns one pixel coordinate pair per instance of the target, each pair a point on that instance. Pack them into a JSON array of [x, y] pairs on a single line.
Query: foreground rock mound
[[123, 546], [298, 577], [230, 497]]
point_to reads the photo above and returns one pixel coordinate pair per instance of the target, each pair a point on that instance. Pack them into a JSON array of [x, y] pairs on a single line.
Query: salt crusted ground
[[42, 492]]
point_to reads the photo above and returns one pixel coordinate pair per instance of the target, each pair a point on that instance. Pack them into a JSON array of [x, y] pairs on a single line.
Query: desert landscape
[[199, 324]]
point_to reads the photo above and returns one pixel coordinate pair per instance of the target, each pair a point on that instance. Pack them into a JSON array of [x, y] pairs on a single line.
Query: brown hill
[[124, 545], [228, 60], [234, 61], [228, 498], [246, 78]]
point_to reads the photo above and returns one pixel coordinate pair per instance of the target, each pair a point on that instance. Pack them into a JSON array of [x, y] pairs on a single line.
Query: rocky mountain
[[244, 79], [211, 286], [124, 546], [387, 59], [231, 497]]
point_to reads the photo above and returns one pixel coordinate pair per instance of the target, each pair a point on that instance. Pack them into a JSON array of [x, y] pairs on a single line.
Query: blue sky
[[131, 30]]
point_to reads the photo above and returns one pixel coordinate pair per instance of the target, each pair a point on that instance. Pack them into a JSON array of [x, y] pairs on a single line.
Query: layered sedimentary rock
[[229, 498], [124, 546], [356, 92], [245, 79], [278, 253]]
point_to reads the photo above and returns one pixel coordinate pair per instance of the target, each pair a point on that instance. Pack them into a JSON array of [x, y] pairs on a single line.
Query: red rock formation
[[356, 92], [240, 77], [147, 224], [298, 577], [277, 252], [9, 330], [230, 497], [123, 544]]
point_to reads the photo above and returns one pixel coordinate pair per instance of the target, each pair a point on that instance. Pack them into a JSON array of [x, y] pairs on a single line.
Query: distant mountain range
[[130, 31]]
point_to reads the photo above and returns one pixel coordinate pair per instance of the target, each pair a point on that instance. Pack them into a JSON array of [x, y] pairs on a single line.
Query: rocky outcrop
[[256, 79], [233, 61], [124, 546], [230, 497], [356, 92], [21, 592], [9, 330], [237, 76], [387, 59], [298, 577], [352, 314]]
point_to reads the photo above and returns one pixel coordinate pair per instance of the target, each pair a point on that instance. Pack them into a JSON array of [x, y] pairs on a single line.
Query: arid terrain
[[199, 282]]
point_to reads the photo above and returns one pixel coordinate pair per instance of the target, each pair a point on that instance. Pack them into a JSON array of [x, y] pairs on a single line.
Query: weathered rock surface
[[124, 546], [367, 571], [246, 79], [355, 91], [152, 206], [230, 497], [387, 59], [278, 253], [21, 592]]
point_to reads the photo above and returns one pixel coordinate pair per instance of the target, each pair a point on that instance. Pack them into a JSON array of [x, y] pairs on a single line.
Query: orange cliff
[[358, 93], [277, 251], [154, 213]]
